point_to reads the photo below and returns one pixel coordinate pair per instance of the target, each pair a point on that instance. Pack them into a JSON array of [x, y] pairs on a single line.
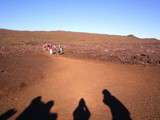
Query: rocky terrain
[[113, 48]]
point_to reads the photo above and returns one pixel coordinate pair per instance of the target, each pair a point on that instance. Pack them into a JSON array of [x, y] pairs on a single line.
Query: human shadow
[[7, 114], [38, 110], [81, 112], [118, 110]]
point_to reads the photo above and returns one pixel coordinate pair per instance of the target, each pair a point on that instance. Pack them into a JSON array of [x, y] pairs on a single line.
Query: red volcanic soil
[[125, 65], [66, 80]]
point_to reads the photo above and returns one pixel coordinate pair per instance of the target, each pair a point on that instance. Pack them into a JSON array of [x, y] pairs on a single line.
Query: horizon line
[[85, 32]]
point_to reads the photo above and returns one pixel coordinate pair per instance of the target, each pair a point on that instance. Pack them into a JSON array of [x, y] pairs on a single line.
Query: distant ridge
[[129, 37]]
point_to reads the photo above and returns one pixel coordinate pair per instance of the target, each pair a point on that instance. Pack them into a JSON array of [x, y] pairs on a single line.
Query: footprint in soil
[[23, 85], [3, 71]]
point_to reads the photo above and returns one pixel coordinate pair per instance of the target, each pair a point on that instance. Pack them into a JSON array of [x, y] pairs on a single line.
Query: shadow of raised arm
[[118, 110], [8, 114]]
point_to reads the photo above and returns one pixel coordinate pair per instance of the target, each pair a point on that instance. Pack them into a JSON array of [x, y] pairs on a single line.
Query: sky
[[119, 17]]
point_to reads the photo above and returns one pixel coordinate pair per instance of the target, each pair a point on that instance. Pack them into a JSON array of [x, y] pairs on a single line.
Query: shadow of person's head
[[82, 103], [106, 97], [38, 103], [118, 110], [81, 112]]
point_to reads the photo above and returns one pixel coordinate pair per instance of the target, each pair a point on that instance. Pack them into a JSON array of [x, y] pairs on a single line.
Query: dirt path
[[67, 80]]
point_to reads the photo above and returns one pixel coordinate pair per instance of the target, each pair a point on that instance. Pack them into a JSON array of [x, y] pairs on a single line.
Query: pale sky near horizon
[[120, 17]]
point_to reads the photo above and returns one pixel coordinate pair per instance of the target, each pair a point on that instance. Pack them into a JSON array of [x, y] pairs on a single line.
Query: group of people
[[53, 49]]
